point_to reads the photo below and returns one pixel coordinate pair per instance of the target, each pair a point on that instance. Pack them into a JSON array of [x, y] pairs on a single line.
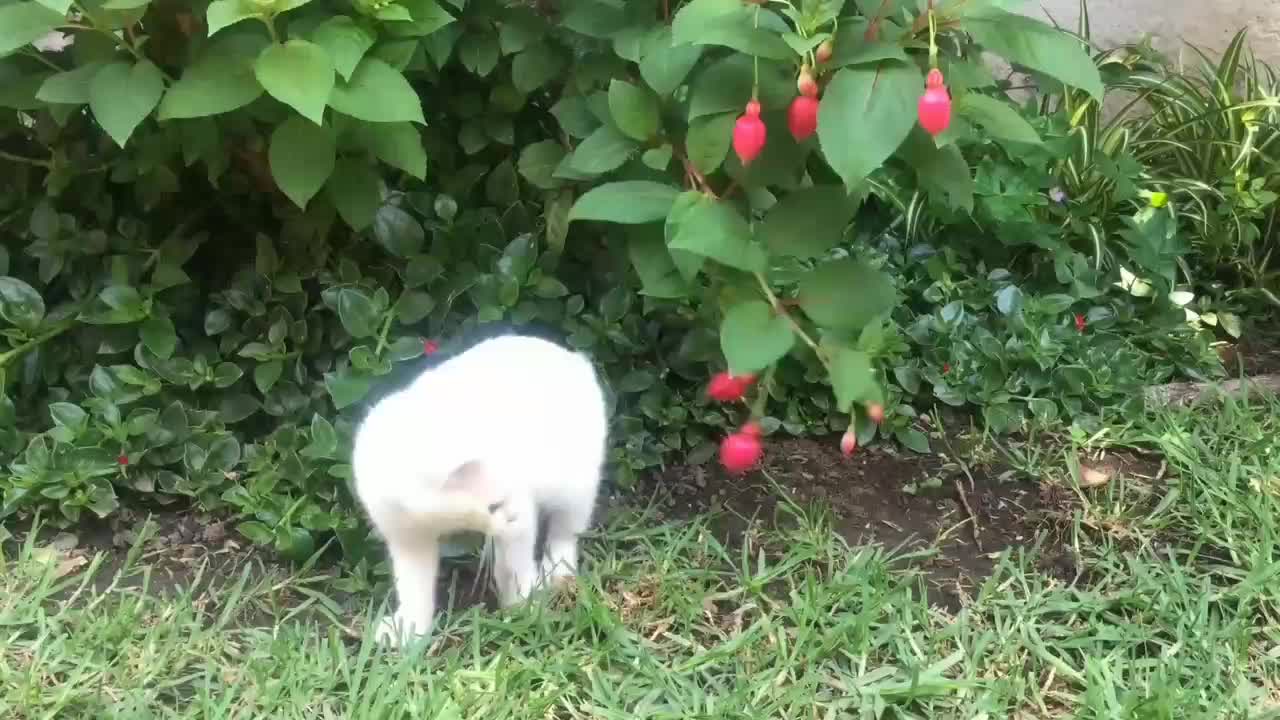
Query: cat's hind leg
[[415, 564], [565, 523], [515, 569]]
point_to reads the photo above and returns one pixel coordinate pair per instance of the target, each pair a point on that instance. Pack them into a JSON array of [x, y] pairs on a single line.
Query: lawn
[[1152, 593]]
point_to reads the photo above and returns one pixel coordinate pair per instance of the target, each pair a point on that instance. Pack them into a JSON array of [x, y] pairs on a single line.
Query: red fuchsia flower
[[934, 108], [740, 451], [727, 388], [430, 347], [946, 368], [1081, 323], [848, 443], [123, 460], [749, 134], [875, 411], [802, 117]]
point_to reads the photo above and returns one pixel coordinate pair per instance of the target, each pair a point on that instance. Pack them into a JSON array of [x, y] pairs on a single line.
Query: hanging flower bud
[[805, 84], [935, 105], [824, 51], [802, 117], [749, 134], [848, 443]]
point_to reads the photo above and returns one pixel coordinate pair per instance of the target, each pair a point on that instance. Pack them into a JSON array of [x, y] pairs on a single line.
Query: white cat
[[512, 428]]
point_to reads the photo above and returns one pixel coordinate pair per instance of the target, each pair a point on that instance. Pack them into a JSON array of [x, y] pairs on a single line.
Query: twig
[[973, 485]]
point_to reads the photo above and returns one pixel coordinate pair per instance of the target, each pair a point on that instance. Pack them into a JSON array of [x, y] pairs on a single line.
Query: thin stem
[[10, 355], [779, 308], [25, 160], [382, 334], [42, 60], [271, 28]]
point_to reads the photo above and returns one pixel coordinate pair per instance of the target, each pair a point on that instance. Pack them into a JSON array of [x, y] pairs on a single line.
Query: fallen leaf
[[1092, 477]]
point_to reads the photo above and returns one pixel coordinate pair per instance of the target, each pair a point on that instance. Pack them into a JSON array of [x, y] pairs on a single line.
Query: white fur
[[486, 441]]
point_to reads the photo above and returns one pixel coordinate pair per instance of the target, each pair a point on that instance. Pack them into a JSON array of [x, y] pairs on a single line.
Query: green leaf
[[427, 15], [345, 42], [355, 190], [21, 23], [708, 141], [1029, 42], [413, 306], [845, 294], [808, 222], [226, 374], [731, 23], [257, 532], [659, 276], [70, 416], [217, 322], [604, 150], [71, 87], [302, 157], [629, 202], [574, 116], [913, 439], [346, 389], [225, 13], [266, 374], [234, 407], [398, 232], [753, 337], [121, 96], [159, 335], [357, 313], [538, 163], [535, 67], [324, 441], [664, 65], [479, 53], [300, 75], [377, 93], [997, 117], [940, 170], [714, 229], [852, 378], [220, 80], [21, 304], [865, 115], [396, 144], [634, 110]]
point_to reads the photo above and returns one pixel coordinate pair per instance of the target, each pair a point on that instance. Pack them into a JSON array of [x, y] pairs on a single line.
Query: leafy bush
[[230, 225]]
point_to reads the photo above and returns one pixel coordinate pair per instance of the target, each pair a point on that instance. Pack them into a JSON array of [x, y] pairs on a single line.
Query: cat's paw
[[397, 631], [502, 519]]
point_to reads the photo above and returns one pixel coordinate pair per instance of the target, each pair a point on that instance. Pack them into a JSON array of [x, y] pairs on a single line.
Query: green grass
[[1176, 615]]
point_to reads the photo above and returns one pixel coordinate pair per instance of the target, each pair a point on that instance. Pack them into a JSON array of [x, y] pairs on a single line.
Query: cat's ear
[[469, 478]]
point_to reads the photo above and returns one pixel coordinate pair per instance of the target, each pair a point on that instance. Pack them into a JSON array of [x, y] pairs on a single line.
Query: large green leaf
[[753, 337], [535, 67], [355, 190], [997, 117], [302, 157], [634, 110], [123, 95], [220, 80], [809, 222], [659, 276], [71, 87], [1029, 42], [628, 202], [604, 150], [708, 140], [298, 74], [845, 294], [23, 22], [377, 93], [396, 144], [427, 15], [225, 13], [345, 41], [398, 232], [744, 27], [538, 163], [941, 170], [713, 229], [852, 377], [865, 114], [357, 313], [665, 65]]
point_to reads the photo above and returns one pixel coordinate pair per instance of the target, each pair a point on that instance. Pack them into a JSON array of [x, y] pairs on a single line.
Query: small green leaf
[[234, 407], [628, 202], [300, 75], [357, 313], [221, 79], [266, 374], [217, 322], [23, 22], [658, 158], [377, 93], [538, 163], [355, 190], [413, 306], [257, 532], [479, 52], [663, 65], [708, 141], [808, 222], [302, 157], [324, 441], [123, 95], [845, 294], [997, 117], [427, 17], [346, 389], [604, 150], [634, 110], [159, 335], [942, 171], [535, 67], [225, 13], [913, 439], [659, 276], [398, 232], [21, 304], [226, 374], [70, 416], [345, 41], [714, 229], [753, 337], [733, 24], [396, 144]]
